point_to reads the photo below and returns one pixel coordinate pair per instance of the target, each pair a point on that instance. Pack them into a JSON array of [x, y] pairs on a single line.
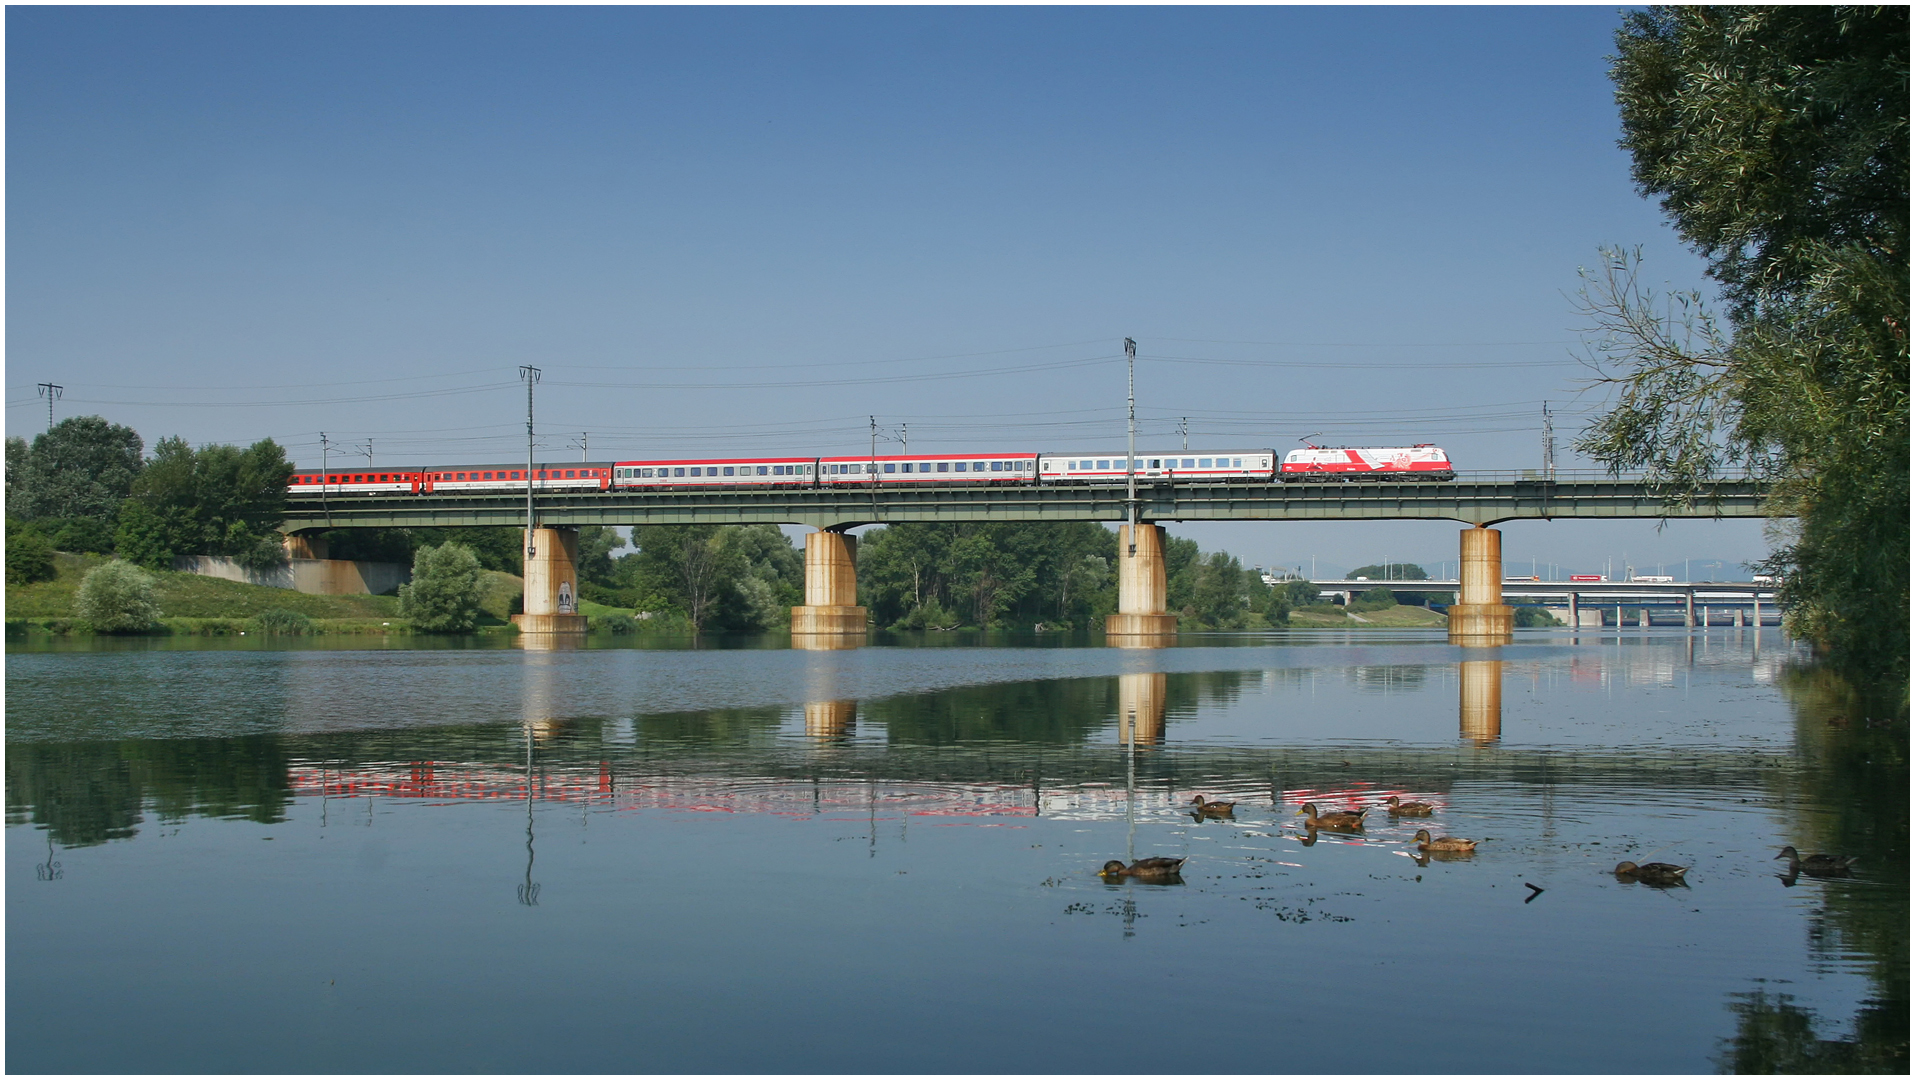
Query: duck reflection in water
[[1155, 870]]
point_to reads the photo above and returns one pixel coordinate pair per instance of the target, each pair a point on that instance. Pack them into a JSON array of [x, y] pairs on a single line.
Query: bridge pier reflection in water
[[1479, 694]]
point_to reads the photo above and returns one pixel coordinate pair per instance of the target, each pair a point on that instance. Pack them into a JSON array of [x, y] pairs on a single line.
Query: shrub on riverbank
[[445, 592], [117, 598]]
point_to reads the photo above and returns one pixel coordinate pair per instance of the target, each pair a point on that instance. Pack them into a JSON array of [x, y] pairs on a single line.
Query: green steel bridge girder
[[1475, 503]]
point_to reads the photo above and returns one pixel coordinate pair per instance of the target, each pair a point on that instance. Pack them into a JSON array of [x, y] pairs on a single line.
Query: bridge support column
[[1479, 617], [1689, 609], [1142, 588], [306, 546], [551, 584], [1575, 617], [831, 587]]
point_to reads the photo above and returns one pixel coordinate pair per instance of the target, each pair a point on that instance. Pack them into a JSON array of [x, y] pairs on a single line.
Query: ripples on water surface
[[883, 859]]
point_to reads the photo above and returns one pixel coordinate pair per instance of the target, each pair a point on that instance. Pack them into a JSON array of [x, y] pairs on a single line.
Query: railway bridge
[[1480, 500]]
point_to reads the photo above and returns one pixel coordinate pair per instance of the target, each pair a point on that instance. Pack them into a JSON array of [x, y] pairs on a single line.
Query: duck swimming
[[1213, 809], [1818, 865], [1344, 820], [1443, 843], [1409, 809], [1656, 873], [1155, 868]]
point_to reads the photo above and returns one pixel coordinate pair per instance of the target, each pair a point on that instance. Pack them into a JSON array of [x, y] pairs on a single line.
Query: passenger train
[[1420, 462]]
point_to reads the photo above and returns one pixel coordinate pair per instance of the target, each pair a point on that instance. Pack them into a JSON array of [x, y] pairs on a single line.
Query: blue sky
[[736, 230]]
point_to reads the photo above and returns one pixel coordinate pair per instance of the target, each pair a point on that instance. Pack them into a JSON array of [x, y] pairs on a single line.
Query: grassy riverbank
[[194, 605], [1396, 618]]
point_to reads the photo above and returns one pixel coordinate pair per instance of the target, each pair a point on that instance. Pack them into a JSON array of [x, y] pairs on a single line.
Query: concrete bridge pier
[[1142, 587], [551, 584], [831, 589], [1689, 608], [1479, 616], [1575, 617]]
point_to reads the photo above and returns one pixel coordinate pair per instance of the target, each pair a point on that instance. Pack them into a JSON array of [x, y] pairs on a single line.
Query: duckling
[[1154, 868], [1818, 865], [1342, 820], [1443, 843], [1213, 809], [1409, 809], [1660, 874]]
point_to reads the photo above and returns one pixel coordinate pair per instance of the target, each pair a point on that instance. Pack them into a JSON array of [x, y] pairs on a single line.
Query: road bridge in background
[[1720, 602]]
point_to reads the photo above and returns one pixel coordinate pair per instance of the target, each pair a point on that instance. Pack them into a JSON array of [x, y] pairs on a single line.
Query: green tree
[[1396, 572], [16, 468], [498, 547], [1374, 600], [117, 598], [444, 593], [691, 569], [29, 558], [595, 546], [73, 479], [1777, 141], [987, 574], [216, 500], [1220, 598], [1181, 557]]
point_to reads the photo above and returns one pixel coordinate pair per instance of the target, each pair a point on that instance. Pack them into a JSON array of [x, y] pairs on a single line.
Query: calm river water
[[329, 858]]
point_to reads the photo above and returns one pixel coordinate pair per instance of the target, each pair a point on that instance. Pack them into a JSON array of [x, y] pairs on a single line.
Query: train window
[[571, 474], [729, 471], [1102, 464], [960, 466], [907, 467], [1236, 463], [890, 466], [1156, 463], [944, 466], [1203, 463], [1190, 463], [764, 470], [644, 473], [680, 471]]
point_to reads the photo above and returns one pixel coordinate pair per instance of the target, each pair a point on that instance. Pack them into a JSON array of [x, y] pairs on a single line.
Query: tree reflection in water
[[1857, 744]]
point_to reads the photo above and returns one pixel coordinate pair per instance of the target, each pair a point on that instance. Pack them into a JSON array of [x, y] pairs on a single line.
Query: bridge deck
[[1476, 501]]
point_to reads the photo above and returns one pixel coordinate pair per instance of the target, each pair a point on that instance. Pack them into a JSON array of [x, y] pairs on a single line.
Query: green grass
[[1322, 616], [192, 596]]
